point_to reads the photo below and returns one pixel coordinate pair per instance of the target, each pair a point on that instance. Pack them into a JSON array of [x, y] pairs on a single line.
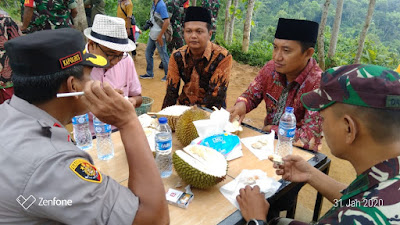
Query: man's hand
[[160, 40], [267, 128], [239, 109], [294, 169], [107, 104], [252, 203]]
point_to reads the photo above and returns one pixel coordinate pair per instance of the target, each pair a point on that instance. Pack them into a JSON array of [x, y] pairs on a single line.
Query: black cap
[[297, 30], [50, 51], [195, 13]]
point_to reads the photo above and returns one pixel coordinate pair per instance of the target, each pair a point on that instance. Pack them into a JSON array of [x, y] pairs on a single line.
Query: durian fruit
[[200, 166], [185, 130]]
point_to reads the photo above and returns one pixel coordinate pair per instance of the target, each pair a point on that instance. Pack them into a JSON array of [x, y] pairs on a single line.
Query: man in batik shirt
[[280, 83], [50, 14], [203, 66], [8, 30], [213, 6], [360, 106]]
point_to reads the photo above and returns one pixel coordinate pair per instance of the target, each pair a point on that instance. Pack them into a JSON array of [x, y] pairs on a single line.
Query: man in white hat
[[108, 37]]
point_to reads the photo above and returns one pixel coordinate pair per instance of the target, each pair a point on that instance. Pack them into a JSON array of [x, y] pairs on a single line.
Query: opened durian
[[200, 166], [185, 129]]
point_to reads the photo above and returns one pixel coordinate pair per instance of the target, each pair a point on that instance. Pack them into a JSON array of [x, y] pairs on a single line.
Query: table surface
[[208, 206]]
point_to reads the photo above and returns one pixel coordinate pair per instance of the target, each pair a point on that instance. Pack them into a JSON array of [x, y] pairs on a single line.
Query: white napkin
[[265, 150], [267, 185]]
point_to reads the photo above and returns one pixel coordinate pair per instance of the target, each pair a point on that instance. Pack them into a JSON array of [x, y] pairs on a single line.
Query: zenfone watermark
[[30, 200]]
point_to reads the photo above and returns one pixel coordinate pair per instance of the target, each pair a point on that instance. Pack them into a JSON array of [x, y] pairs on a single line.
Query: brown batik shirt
[[205, 80]]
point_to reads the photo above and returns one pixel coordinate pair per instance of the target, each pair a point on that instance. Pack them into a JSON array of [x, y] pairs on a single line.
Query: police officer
[[46, 179]]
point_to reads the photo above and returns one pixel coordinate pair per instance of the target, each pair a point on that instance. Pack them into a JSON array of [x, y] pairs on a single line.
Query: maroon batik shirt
[[269, 84]]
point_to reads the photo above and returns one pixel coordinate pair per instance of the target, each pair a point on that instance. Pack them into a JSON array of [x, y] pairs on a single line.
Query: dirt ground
[[240, 78]]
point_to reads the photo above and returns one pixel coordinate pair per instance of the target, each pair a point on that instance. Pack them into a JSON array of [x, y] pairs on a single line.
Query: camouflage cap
[[361, 85]]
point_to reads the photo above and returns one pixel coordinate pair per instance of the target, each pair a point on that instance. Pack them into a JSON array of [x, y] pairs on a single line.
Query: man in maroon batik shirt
[[281, 82]]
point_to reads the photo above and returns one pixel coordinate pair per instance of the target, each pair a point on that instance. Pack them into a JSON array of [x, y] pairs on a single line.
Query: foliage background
[[382, 45]]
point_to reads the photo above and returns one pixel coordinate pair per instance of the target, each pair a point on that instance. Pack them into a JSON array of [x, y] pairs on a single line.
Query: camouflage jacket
[[372, 198], [51, 14]]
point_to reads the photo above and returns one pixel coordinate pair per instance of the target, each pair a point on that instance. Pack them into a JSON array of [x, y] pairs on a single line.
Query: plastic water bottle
[[105, 147], [163, 140], [82, 135], [286, 132]]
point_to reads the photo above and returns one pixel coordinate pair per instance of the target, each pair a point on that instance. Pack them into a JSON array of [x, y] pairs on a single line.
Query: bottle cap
[[289, 109], [162, 120]]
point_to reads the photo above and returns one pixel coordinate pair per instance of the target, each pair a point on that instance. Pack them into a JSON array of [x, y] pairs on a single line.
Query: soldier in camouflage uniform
[[175, 7], [48, 14], [360, 105], [213, 7]]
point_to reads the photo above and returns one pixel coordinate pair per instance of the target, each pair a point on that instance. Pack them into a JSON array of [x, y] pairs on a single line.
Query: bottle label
[[103, 128], [164, 145], [287, 132], [80, 119]]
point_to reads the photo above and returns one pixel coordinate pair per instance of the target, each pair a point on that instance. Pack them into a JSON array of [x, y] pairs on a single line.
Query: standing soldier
[[51, 14], [213, 7], [177, 9]]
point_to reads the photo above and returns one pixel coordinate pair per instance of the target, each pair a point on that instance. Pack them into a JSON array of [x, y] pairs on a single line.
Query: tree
[[193, 2], [232, 21], [80, 21], [335, 29], [247, 26], [363, 34], [227, 20], [321, 47]]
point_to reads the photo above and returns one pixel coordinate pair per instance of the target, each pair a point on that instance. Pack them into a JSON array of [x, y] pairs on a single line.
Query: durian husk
[[185, 130], [172, 120]]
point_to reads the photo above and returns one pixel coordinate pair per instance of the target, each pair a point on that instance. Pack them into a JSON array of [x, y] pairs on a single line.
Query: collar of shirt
[[377, 174], [302, 76], [206, 54]]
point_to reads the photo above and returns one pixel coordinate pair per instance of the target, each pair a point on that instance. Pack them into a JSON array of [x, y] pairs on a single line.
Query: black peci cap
[[50, 51], [297, 30], [195, 13]]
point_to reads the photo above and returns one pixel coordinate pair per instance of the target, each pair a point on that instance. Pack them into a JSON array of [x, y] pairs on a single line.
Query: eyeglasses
[[113, 57]]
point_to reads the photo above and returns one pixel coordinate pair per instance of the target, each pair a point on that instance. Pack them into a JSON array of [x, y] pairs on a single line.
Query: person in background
[[124, 11], [281, 82], [8, 30], [203, 66], [40, 162], [360, 107], [108, 38], [96, 7], [213, 6], [48, 14], [157, 39], [176, 8], [88, 13]]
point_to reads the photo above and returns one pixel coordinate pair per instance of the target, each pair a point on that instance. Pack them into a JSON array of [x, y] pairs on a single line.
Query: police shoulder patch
[[85, 170]]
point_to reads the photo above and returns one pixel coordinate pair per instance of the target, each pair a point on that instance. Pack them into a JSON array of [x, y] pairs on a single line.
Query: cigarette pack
[[179, 198]]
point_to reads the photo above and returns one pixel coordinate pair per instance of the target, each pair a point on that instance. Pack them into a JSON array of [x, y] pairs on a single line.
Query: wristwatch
[[256, 222]]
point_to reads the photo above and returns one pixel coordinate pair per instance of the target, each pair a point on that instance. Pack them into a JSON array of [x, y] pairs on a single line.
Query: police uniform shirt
[[46, 179]]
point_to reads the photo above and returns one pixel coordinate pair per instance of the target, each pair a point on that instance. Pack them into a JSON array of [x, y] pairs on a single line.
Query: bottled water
[[105, 147], [286, 132], [164, 148], [82, 135]]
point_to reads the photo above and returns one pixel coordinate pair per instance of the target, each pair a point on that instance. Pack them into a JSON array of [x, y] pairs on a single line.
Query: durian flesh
[[200, 166]]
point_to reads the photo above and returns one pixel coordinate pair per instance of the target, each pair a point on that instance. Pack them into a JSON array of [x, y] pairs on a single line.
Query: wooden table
[[208, 206]]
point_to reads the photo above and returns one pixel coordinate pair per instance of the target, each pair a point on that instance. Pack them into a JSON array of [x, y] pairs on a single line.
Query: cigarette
[[60, 95]]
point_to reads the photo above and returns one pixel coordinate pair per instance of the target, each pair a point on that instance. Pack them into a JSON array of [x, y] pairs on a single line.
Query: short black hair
[[39, 89], [306, 45], [209, 26], [383, 125]]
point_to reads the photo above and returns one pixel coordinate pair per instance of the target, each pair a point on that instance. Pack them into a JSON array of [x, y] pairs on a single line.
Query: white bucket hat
[[110, 32]]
